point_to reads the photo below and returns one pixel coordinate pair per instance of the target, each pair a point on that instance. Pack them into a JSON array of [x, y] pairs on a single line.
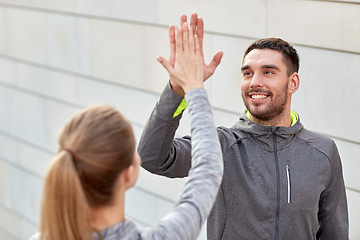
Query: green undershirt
[[182, 106]]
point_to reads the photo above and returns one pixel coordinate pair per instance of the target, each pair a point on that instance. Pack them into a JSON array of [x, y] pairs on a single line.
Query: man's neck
[[283, 121]]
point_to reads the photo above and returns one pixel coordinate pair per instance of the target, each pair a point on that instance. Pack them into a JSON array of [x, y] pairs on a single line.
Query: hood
[[263, 135]]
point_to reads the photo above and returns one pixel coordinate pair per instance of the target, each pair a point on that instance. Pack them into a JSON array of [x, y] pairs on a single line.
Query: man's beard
[[272, 110]]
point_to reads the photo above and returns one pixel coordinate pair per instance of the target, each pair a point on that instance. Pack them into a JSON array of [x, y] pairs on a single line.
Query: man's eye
[[268, 72], [247, 73]]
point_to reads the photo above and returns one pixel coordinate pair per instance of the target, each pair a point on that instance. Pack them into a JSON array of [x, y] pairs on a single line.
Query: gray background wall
[[59, 56]]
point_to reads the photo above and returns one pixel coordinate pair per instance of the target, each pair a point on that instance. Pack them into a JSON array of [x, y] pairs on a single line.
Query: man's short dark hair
[[277, 44]]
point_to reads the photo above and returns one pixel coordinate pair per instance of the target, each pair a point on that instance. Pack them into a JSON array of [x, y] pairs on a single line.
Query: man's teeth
[[258, 96]]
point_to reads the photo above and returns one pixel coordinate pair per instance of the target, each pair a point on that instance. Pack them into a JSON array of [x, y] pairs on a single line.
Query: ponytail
[[64, 213], [95, 146]]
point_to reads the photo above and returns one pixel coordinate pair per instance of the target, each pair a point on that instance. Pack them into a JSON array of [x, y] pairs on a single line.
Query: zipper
[[277, 188], [288, 177]]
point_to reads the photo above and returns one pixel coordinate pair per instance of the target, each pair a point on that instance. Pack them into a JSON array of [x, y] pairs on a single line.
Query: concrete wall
[[59, 56]]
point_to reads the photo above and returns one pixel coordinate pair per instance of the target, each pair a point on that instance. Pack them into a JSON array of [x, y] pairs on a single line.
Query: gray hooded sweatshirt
[[279, 182]]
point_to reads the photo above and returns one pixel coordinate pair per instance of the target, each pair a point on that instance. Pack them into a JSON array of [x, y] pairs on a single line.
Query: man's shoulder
[[319, 141], [311, 136]]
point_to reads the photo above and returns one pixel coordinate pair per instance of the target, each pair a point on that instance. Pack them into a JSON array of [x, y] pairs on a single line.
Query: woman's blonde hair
[[94, 147]]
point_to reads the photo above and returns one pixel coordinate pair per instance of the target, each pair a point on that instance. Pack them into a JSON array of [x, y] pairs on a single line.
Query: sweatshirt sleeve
[[205, 175], [160, 152], [333, 212]]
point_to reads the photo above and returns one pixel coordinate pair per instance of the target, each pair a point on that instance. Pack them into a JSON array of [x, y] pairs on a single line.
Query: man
[[280, 181]]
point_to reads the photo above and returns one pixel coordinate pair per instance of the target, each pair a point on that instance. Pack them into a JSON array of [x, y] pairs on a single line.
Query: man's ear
[[294, 82]]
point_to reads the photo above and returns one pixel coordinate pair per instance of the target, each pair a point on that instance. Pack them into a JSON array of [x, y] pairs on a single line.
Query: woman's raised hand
[[188, 70], [197, 27]]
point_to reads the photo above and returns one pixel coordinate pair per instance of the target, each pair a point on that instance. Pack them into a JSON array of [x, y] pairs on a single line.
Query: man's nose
[[256, 81]]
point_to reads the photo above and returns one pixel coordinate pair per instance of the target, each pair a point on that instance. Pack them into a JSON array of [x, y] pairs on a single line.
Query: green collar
[[293, 115]]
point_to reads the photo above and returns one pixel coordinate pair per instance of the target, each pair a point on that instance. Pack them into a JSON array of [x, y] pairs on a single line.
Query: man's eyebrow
[[270, 66], [245, 67]]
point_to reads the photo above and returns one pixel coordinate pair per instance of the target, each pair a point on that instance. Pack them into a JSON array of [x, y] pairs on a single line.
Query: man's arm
[[160, 152], [157, 147], [333, 212]]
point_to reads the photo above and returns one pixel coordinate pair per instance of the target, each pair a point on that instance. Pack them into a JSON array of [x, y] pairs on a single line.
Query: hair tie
[[70, 152]]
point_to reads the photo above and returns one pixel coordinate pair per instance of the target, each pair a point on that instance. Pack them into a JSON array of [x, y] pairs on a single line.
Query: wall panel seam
[[53, 99], [80, 15], [87, 77], [75, 74], [142, 23], [353, 189], [25, 142], [70, 104], [38, 176], [18, 214], [6, 232], [40, 95], [23, 169], [32, 145], [340, 138], [337, 1]]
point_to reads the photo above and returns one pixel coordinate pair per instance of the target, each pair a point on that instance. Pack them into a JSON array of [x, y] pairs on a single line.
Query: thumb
[[216, 59], [166, 64], [211, 67]]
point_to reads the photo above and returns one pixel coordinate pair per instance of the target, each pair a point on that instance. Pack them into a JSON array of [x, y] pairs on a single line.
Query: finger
[[215, 61], [172, 45], [217, 58], [192, 44], [183, 19], [193, 22], [200, 32], [185, 37], [166, 64], [197, 46], [179, 41]]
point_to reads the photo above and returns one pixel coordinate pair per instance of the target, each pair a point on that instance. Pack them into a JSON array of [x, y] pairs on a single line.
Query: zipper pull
[[288, 184]]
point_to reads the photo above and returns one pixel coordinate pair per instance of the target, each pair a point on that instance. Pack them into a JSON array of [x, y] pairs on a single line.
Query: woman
[[97, 162]]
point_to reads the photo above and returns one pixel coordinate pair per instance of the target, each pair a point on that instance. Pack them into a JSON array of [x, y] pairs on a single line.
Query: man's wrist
[[177, 89]]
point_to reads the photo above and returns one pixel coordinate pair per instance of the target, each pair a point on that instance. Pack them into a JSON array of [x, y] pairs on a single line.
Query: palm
[[198, 28], [209, 69], [197, 25]]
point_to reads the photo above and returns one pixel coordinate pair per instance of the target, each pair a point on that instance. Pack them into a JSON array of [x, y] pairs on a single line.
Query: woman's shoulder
[[126, 229]]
